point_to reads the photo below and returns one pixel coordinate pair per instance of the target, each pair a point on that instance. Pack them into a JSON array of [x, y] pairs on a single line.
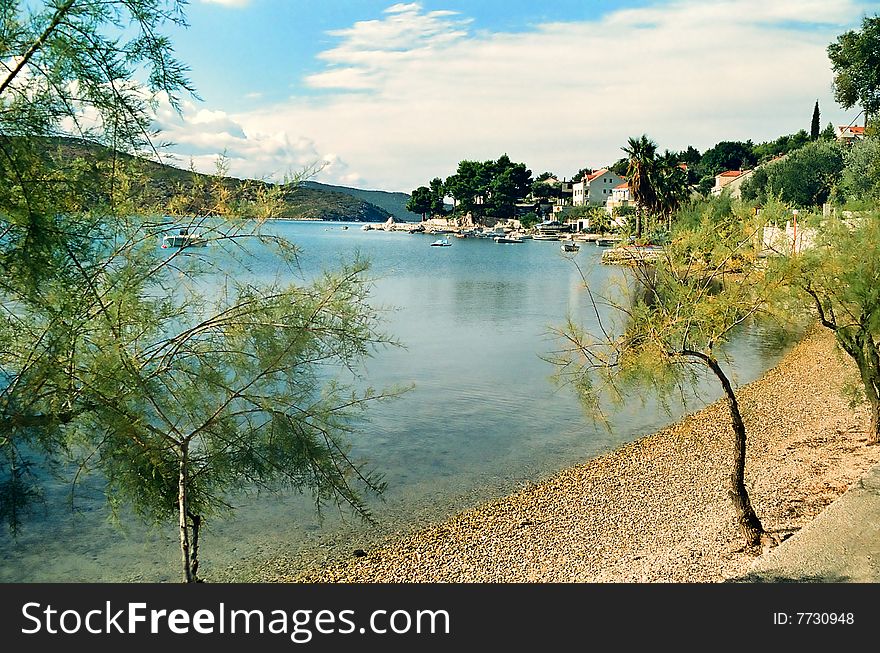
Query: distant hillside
[[394, 203], [164, 182]]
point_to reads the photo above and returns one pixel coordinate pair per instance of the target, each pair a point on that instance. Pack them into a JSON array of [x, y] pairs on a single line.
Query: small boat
[[183, 239], [570, 247], [344, 228], [366, 227], [507, 239], [607, 242], [545, 237], [442, 242]]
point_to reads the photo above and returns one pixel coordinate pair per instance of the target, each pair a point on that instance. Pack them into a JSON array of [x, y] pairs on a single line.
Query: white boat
[[569, 247], [183, 239], [442, 242], [507, 239], [545, 237]]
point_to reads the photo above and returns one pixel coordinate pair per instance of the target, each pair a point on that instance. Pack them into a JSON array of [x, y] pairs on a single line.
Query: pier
[[632, 255]]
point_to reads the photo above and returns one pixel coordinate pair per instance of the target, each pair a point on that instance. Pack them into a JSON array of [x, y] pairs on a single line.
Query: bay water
[[482, 419]]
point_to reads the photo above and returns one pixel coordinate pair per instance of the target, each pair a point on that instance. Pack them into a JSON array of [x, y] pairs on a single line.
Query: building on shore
[[595, 189], [621, 197]]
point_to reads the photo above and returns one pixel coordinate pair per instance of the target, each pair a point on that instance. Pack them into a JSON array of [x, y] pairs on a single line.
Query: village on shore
[[597, 210]]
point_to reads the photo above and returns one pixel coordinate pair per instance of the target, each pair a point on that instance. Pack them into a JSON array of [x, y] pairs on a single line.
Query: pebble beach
[[655, 510]]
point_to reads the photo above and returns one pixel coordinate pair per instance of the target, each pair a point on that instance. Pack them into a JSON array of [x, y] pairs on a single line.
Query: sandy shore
[[654, 510]]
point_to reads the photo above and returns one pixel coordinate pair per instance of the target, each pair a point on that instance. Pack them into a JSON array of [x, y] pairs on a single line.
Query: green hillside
[[394, 203], [159, 185]]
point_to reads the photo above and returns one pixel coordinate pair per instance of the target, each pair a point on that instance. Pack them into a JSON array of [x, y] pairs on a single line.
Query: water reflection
[[483, 417]]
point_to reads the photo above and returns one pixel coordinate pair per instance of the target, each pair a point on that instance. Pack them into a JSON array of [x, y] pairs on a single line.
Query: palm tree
[[670, 185], [640, 174]]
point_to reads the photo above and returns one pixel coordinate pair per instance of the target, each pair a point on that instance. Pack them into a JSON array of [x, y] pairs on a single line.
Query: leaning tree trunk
[[748, 522]]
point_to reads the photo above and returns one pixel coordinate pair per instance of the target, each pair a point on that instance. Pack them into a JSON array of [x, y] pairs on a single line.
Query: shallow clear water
[[482, 419]]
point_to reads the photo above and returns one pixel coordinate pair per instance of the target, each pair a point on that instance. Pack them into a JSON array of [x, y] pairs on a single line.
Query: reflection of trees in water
[[475, 301]]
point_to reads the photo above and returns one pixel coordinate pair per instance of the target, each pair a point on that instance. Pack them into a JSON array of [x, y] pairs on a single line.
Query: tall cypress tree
[[814, 126]]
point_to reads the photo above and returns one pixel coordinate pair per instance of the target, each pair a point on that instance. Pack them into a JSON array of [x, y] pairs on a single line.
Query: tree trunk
[[859, 344], [874, 429], [748, 522], [194, 555], [182, 503], [870, 371]]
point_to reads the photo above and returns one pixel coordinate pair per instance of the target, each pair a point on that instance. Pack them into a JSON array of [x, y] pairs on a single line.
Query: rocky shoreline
[[655, 510]]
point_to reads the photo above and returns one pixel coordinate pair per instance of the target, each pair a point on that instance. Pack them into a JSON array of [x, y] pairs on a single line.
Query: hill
[[394, 203], [160, 185]]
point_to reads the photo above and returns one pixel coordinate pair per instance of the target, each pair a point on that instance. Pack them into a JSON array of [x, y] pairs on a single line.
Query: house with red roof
[[849, 134], [726, 177], [595, 188]]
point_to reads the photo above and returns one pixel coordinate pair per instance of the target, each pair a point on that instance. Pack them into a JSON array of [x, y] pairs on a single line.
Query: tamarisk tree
[[180, 379], [683, 308], [839, 279]]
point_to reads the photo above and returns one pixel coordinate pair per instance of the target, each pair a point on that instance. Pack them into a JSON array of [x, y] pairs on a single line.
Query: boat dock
[[632, 255]]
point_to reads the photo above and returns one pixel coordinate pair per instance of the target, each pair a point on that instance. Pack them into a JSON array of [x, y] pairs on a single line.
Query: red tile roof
[[597, 174], [623, 185], [731, 173]]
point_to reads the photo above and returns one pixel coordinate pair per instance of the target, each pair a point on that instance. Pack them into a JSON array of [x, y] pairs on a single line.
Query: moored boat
[[183, 239], [442, 242]]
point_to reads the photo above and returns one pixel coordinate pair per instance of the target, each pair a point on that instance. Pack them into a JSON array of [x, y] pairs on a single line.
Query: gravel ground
[[655, 510]]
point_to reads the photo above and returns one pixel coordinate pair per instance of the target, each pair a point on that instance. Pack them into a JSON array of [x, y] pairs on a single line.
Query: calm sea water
[[483, 417]]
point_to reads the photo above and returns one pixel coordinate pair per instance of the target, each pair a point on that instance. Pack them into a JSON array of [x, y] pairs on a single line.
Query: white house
[[620, 196], [595, 188], [725, 178]]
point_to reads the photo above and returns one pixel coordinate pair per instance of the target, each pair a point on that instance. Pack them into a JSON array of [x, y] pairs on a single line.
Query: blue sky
[[268, 46], [388, 95]]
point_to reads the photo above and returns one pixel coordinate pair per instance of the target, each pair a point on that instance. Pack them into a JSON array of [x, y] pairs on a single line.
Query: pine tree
[[814, 126]]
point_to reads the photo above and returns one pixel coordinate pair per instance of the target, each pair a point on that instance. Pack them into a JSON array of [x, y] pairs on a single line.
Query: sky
[[386, 95]]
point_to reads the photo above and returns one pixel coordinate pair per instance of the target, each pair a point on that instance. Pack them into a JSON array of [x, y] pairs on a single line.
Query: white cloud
[[200, 136], [414, 92]]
